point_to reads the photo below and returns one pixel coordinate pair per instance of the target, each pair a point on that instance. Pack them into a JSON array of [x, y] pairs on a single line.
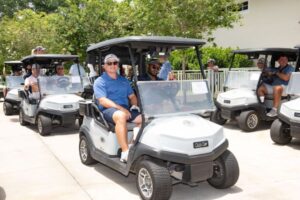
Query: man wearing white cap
[[114, 95]]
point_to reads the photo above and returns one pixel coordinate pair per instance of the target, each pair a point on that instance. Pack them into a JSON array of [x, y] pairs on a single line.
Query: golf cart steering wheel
[[62, 82]]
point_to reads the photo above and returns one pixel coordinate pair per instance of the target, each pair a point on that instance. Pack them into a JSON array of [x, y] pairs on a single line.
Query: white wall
[[267, 23]]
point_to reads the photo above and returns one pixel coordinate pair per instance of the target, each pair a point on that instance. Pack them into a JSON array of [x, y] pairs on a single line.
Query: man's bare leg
[[277, 92], [120, 120]]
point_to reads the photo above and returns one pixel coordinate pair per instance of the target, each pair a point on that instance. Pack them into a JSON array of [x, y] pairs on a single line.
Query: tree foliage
[[71, 25]]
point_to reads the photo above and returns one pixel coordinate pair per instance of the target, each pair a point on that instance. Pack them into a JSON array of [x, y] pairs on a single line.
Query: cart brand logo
[[227, 101], [200, 144], [297, 114], [68, 106]]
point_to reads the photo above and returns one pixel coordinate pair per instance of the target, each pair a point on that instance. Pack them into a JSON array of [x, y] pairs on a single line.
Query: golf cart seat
[[270, 97], [98, 115], [24, 94]]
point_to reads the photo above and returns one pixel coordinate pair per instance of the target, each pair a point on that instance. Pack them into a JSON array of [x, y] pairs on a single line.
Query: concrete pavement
[[35, 167]]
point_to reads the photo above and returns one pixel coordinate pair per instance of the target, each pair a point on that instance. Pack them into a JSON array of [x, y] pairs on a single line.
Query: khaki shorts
[[270, 89]]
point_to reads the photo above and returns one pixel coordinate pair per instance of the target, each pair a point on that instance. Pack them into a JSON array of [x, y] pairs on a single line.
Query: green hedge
[[222, 56]]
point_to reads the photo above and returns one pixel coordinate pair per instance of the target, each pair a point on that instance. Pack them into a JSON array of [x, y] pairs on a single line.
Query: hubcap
[[83, 150], [40, 126], [252, 121], [145, 183]]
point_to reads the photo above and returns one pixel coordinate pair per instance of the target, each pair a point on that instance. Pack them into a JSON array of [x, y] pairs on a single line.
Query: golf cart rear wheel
[[226, 171], [280, 132], [44, 125], [217, 117], [84, 151], [249, 120], [153, 181], [8, 108], [21, 118]]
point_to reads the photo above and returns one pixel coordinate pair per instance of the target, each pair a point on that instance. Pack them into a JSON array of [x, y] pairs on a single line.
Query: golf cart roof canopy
[[48, 58], [146, 42], [13, 62], [288, 51]]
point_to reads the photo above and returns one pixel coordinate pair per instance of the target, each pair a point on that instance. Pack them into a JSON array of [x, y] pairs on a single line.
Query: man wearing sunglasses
[[115, 95], [152, 71]]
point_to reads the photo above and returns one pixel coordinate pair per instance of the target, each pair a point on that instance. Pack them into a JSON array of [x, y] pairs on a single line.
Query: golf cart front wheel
[[153, 181], [226, 171], [8, 108], [21, 118], [280, 132], [84, 151], [249, 120], [44, 125]]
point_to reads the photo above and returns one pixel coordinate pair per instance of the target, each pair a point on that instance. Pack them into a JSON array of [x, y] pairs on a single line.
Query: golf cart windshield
[[174, 97], [242, 79], [14, 82], [293, 86], [60, 85]]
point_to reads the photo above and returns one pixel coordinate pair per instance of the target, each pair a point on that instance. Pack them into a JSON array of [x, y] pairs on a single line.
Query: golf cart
[[59, 100], [14, 82], [287, 125], [174, 144], [241, 100]]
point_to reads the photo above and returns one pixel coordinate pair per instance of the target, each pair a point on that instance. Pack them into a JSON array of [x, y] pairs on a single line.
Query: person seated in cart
[[114, 96], [31, 83], [153, 68], [280, 80]]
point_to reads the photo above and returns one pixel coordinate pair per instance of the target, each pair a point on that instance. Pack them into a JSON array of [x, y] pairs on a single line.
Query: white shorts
[[270, 89]]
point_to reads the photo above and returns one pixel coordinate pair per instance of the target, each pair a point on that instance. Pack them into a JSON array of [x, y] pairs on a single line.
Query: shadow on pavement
[[2, 194], [295, 144], [126, 182], [180, 191], [57, 130]]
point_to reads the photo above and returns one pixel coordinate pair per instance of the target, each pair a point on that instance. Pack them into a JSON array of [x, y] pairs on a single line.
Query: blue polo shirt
[[286, 70], [118, 90]]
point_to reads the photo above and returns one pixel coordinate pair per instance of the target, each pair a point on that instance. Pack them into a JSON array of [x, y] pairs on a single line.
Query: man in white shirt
[[74, 70], [31, 83]]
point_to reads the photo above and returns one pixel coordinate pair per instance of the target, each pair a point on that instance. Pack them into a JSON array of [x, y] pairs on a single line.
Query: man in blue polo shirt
[[281, 77], [114, 95]]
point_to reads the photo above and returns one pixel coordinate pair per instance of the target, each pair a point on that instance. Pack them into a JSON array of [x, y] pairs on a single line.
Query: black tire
[[280, 132], [217, 118], [249, 120], [8, 108], [21, 118], [44, 124], [84, 151], [157, 177], [226, 171]]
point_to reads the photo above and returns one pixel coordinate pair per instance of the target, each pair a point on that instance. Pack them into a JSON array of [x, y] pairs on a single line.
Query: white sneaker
[[272, 113], [124, 156]]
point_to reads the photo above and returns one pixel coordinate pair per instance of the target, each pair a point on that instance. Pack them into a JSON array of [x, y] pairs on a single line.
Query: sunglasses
[[155, 67], [112, 63], [60, 68]]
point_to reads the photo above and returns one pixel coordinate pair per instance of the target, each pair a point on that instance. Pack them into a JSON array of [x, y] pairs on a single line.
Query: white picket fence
[[215, 79]]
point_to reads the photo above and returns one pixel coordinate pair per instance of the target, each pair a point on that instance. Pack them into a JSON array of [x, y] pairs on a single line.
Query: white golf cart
[[59, 100], [175, 144], [241, 101], [287, 125], [13, 84]]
